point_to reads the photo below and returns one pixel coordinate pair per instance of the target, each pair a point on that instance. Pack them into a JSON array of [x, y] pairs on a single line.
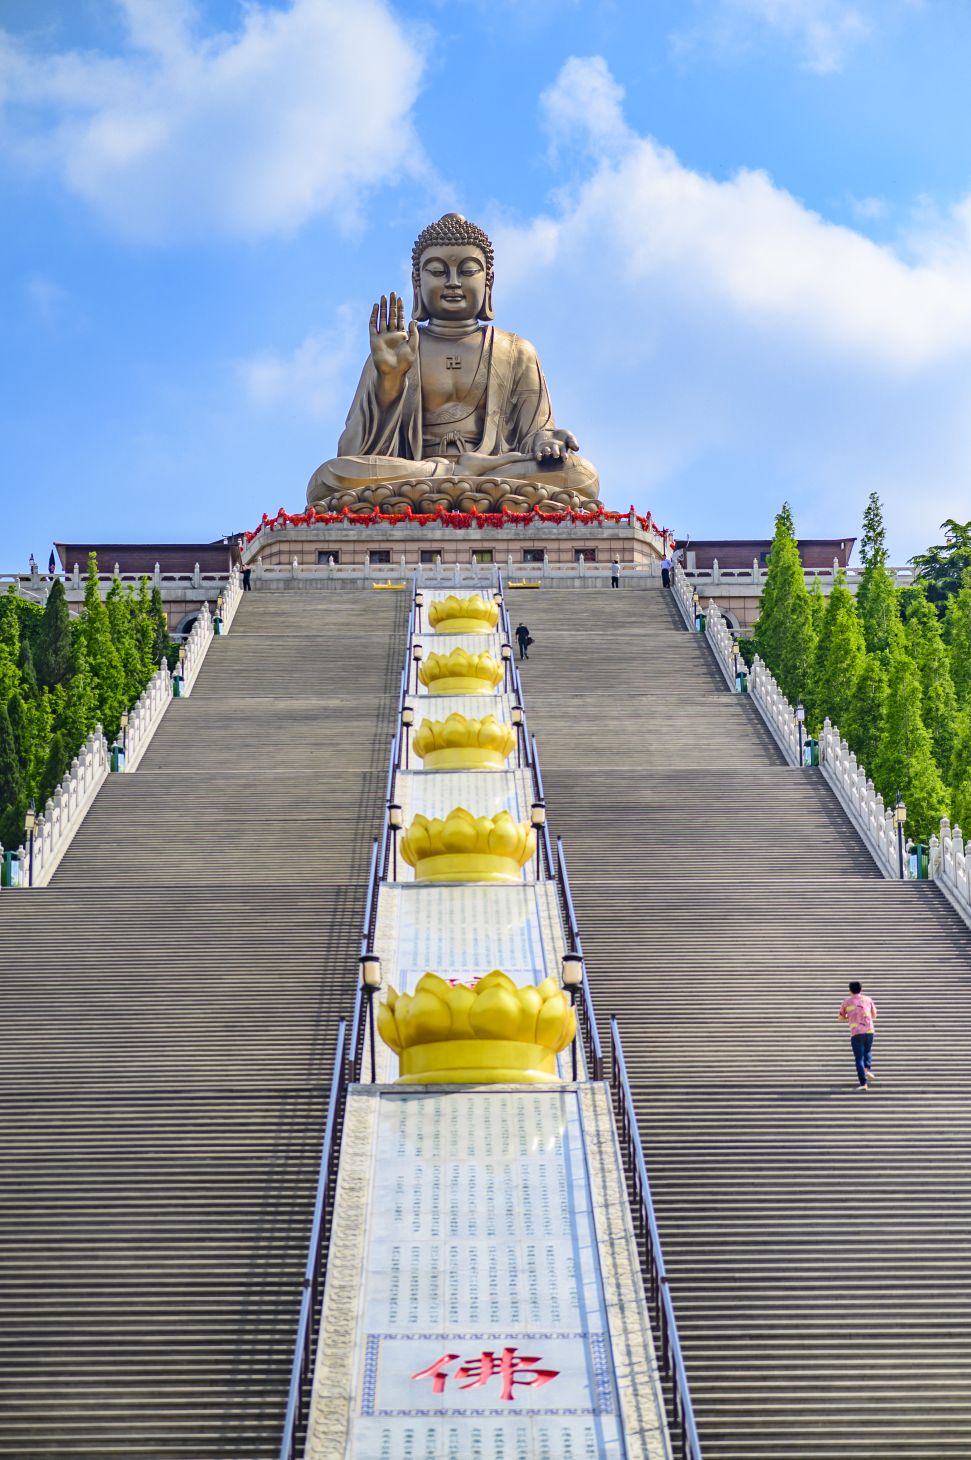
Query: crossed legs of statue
[[376, 479]]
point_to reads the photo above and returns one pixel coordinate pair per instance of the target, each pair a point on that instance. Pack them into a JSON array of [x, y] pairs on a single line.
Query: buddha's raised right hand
[[393, 348]]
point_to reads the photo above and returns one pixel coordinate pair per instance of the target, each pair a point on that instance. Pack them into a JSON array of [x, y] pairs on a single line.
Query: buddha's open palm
[[393, 348]]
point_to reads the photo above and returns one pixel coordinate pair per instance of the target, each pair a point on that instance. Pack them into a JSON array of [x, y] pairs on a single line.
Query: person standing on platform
[[666, 566], [523, 637], [52, 564], [615, 573], [860, 1012], [247, 575]]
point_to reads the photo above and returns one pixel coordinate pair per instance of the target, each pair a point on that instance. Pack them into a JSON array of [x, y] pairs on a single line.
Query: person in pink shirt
[[860, 1013]]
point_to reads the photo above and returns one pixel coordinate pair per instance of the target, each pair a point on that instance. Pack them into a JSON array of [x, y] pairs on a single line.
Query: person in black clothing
[[522, 634], [247, 575]]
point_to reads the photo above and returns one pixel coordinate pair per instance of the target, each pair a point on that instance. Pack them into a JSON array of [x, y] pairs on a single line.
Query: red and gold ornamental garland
[[461, 521]]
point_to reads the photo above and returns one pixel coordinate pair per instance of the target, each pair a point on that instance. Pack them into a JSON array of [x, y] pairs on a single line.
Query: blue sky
[[737, 231]]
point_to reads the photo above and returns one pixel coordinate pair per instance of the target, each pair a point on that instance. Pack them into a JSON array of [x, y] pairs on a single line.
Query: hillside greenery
[[61, 676], [890, 667]]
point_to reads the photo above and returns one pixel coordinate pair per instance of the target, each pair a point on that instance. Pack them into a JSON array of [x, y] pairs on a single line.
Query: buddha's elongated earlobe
[[487, 311], [418, 310]]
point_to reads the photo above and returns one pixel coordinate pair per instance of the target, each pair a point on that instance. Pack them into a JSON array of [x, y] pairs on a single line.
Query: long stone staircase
[[818, 1241], [169, 1011]]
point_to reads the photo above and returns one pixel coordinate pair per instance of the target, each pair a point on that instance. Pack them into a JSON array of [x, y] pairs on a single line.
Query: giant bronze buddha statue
[[451, 411]]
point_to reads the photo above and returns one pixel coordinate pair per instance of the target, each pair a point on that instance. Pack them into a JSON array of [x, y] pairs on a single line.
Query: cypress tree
[[866, 712], [957, 635], [77, 714], [54, 769], [160, 628], [53, 657], [817, 603], [926, 646], [877, 598], [784, 635], [145, 631], [13, 790], [28, 672], [107, 671], [905, 759], [840, 656]]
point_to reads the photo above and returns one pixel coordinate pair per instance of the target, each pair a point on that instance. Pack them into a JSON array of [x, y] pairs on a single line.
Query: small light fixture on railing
[[419, 601], [516, 715], [537, 815], [30, 823], [800, 721], [416, 656], [571, 969], [506, 664], [518, 723], [396, 820], [407, 720], [497, 597], [899, 820], [696, 606], [370, 983]]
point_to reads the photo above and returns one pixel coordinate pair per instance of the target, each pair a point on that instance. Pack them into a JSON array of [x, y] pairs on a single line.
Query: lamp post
[[571, 966], [516, 715], [30, 821], [419, 601], [696, 605], [370, 983], [396, 820], [899, 817], [217, 622], [800, 721], [179, 684], [506, 661], [416, 656], [407, 720], [537, 820]]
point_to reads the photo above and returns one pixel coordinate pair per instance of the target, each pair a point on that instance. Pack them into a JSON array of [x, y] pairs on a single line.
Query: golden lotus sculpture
[[464, 744], [487, 1033], [475, 615], [460, 673], [467, 848]]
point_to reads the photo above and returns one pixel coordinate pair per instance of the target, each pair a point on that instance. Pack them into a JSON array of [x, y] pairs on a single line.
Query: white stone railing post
[[859, 799], [196, 645], [66, 810], [231, 595], [145, 716], [683, 594], [722, 642], [775, 709], [950, 867]]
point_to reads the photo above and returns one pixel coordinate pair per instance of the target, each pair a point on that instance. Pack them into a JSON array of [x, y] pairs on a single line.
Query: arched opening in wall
[[731, 620], [184, 628]]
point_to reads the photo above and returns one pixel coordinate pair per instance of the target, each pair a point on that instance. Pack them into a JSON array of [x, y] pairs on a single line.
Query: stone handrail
[[66, 809], [683, 595], [757, 574], [861, 802], [722, 641], [950, 866], [231, 595], [196, 645], [775, 709], [146, 714]]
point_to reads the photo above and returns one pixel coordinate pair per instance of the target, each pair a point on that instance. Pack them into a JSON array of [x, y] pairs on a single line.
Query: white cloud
[[824, 31], [585, 104], [716, 342], [316, 378], [245, 134]]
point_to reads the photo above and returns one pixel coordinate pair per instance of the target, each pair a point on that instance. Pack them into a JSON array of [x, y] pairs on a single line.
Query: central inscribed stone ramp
[[483, 1294]]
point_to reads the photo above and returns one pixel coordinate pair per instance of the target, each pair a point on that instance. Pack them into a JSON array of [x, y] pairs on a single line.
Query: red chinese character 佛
[[509, 1368]]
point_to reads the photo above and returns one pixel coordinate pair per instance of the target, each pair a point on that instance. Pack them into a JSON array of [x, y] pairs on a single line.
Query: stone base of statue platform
[[351, 547]]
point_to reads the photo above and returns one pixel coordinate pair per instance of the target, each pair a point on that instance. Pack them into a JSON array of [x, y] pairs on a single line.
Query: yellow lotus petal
[[495, 979], [460, 1002], [548, 988], [495, 1014], [458, 836], [529, 850], [454, 731], [388, 1029], [530, 1004], [504, 837], [490, 734], [428, 1019], [551, 1026], [392, 996], [430, 983]]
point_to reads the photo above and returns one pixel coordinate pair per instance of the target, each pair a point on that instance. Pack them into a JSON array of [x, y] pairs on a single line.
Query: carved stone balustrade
[[66, 809], [950, 867]]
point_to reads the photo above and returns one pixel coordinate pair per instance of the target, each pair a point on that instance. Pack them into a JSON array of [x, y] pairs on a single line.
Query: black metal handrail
[[588, 1020], [301, 1372], [655, 1278]]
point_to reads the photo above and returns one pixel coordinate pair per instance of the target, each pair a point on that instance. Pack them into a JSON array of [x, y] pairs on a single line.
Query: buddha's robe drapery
[[381, 444]]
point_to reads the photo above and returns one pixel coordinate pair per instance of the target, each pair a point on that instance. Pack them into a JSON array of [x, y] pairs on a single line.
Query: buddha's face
[[452, 280]]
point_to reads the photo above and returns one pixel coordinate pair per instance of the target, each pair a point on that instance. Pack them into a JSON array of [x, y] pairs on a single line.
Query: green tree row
[[891, 668], [60, 677]]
